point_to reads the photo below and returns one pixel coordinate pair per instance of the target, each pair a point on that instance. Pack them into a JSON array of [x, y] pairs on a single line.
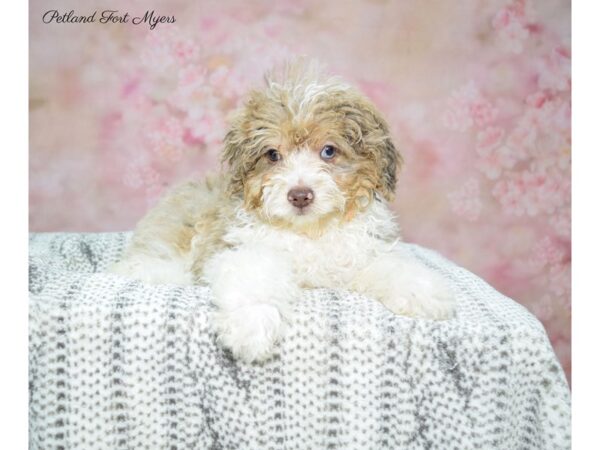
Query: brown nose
[[301, 197]]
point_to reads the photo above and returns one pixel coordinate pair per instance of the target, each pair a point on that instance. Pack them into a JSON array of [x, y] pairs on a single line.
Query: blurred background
[[477, 94]]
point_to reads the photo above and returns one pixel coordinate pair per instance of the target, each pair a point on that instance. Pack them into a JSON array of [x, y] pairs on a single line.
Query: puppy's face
[[306, 150]]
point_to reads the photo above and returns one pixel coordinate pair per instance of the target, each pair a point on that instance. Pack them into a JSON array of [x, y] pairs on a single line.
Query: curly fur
[[240, 234]]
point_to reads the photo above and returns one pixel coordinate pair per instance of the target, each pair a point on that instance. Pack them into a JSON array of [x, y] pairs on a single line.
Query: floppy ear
[[375, 144], [244, 141], [389, 162], [234, 143]]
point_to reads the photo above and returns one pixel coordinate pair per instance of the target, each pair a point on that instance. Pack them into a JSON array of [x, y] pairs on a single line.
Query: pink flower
[[538, 124], [206, 125], [538, 99], [533, 191], [546, 251], [468, 107], [465, 202], [523, 136], [138, 175], [494, 158], [191, 88], [191, 76], [510, 192], [512, 23], [228, 83], [168, 49], [184, 50], [493, 161], [489, 138], [166, 139], [554, 70], [553, 192]]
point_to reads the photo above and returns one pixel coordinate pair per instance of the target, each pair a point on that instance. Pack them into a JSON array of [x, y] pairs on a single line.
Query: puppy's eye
[[273, 155], [328, 152]]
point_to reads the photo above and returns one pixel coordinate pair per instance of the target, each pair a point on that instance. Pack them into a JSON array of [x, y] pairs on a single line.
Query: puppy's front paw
[[426, 297], [250, 332]]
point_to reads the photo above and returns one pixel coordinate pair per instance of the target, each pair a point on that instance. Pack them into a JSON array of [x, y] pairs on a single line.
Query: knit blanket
[[116, 364]]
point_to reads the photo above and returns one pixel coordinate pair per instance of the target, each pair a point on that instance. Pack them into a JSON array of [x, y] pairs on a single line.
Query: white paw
[[250, 332], [426, 297]]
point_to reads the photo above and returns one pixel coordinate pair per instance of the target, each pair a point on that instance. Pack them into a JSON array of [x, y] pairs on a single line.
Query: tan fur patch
[[192, 210]]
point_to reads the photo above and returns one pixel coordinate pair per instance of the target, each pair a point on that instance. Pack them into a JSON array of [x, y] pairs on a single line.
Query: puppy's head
[[309, 148]]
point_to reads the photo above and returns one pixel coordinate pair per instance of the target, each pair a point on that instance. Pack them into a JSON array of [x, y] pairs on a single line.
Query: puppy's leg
[[161, 247], [253, 289], [153, 267], [406, 287], [153, 257]]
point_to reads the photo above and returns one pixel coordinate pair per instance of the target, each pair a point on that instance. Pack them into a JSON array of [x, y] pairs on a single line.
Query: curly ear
[[389, 162], [236, 140], [244, 141], [375, 143]]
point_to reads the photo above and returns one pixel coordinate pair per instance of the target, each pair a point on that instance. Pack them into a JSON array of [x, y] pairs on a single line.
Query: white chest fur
[[257, 280], [329, 260]]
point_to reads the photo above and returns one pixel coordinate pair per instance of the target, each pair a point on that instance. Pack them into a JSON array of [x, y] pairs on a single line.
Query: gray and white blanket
[[116, 364]]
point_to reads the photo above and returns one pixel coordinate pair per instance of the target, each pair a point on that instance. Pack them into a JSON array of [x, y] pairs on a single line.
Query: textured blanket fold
[[118, 364]]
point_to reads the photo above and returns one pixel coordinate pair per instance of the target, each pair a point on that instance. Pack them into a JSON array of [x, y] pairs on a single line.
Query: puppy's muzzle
[[301, 197]]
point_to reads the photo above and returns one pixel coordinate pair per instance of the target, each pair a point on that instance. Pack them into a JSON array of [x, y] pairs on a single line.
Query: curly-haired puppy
[[311, 167]]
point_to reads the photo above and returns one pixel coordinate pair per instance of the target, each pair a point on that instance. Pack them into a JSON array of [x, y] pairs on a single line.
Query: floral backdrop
[[477, 93]]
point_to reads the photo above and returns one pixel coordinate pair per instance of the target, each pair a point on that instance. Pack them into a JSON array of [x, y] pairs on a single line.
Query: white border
[[13, 234], [586, 223]]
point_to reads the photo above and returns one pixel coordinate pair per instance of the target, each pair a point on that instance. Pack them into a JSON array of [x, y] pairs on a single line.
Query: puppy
[[303, 204]]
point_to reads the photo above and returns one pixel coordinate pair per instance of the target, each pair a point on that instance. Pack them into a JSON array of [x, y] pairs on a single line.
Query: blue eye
[[273, 155], [328, 152]]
